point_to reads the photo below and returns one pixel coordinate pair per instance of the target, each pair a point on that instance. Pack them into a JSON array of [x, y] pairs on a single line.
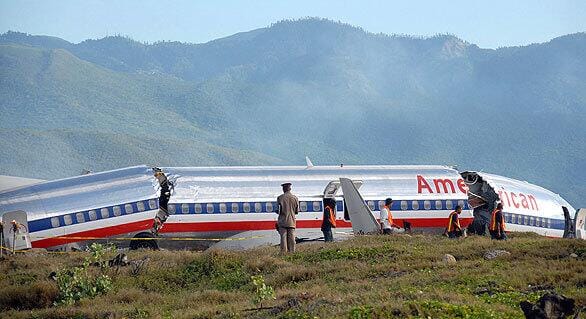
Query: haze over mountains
[[310, 87]]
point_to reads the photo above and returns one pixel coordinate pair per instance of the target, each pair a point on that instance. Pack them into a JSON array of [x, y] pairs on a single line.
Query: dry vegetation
[[365, 277]]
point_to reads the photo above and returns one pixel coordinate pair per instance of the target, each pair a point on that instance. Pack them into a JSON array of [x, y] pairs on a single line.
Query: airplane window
[[461, 203], [548, 223], [381, 204], [525, 220], [198, 208], [222, 208], [210, 208], [316, 206], [235, 208], [246, 207], [415, 205], [128, 208], [257, 207], [513, 219], [449, 204], [80, 218], [184, 208], [270, 207], [404, 205], [117, 211], [438, 204], [67, 219], [140, 206], [532, 221], [105, 213], [55, 222], [152, 204], [92, 214], [303, 206], [427, 205]]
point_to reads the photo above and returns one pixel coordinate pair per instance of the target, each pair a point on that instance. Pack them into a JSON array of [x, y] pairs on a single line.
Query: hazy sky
[[489, 24]]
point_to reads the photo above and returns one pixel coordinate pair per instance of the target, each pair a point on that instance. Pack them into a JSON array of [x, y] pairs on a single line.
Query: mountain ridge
[[318, 88]]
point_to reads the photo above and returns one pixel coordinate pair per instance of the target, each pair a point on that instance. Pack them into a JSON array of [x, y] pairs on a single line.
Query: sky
[[489, 24]]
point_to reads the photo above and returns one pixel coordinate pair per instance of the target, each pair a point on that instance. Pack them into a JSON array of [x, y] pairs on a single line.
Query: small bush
[[360, 312], [263, 292], [77, 283]]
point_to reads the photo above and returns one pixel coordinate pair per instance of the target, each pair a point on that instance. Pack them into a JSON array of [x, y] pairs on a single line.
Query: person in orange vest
[[386, 219], [454, 229], [329, 219], [497, 224]]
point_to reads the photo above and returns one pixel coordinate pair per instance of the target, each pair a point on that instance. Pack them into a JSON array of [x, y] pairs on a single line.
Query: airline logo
[[440, 186], [518, 200]]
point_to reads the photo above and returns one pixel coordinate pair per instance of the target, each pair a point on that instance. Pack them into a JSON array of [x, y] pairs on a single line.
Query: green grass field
[[365, 277]]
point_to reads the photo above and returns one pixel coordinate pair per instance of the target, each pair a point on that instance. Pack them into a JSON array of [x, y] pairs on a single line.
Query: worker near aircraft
[[165, 186], [288, 208], [386, 219], [454, 229], [329, 219], [497, 223]]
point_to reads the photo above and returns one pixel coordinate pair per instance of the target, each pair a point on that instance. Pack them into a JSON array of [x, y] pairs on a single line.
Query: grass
[[365, 277]]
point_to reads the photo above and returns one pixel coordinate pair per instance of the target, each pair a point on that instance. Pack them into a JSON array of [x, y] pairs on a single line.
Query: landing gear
[[144, 241]]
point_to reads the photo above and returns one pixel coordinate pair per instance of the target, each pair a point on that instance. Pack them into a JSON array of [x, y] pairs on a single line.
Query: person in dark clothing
[[329, 219], [165, 188], [454, 229], [497, 224]]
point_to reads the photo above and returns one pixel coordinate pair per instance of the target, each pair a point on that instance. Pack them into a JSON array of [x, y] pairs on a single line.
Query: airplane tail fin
[[363, 222]]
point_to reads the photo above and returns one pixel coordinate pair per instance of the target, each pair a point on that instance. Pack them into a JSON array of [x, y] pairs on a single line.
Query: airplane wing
[[363, 222], [258, 238]]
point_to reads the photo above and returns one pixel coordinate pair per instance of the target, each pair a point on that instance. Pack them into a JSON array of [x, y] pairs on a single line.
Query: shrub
[[263, 292], [78, 283]]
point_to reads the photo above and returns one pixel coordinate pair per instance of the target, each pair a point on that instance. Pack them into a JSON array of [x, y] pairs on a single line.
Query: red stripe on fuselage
[[171, 227], [100, 232]]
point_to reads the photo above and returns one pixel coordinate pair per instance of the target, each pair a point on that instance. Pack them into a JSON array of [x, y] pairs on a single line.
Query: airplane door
[[580, 223], [332, 189], [15, 230]]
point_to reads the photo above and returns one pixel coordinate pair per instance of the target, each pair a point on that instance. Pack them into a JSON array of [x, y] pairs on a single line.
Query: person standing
[[329, 219], [454, 229], [386, 219], [165, 188], [288, 208], [497, 223]]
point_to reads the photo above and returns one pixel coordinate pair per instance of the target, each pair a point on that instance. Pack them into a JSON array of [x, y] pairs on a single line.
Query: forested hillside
[[310, 87]]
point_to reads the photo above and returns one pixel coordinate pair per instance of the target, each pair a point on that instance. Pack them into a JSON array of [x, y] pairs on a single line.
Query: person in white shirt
[[386, 219]]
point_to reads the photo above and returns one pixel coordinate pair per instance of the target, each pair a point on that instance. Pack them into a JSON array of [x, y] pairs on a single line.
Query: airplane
[[235, 207]]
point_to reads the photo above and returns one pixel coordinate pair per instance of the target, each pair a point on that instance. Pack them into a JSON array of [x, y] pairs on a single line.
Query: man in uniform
[[454, 229], [329, 219], [288, 208], [497, 224]]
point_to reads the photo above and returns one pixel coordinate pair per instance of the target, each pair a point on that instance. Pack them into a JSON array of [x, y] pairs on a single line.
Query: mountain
[[309, 87]]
